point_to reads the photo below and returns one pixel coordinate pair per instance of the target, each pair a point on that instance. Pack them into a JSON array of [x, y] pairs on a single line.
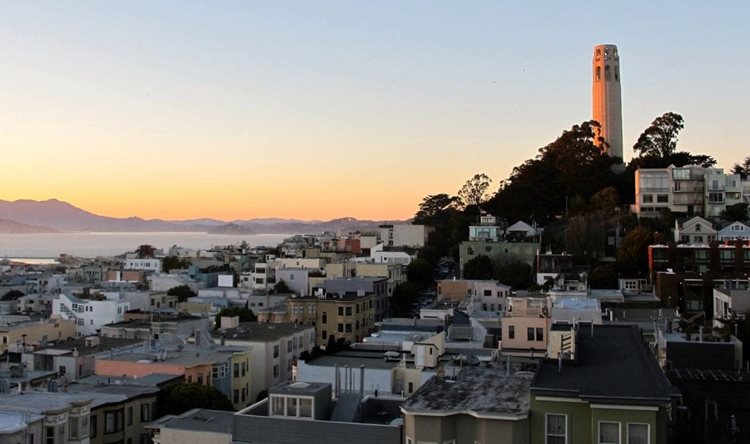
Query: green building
[[612, 392]]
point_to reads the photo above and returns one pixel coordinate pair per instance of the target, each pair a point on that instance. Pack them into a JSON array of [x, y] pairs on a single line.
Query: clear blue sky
[[334, 108]]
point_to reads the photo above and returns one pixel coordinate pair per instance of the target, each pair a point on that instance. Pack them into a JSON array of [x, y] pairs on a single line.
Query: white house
[[379, 256], [404, 235], [147, 264], [89, 314], [735, 231], [696, 230]]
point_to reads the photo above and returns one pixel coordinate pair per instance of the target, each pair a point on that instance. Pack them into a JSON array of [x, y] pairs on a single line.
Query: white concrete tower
[[607, 106]]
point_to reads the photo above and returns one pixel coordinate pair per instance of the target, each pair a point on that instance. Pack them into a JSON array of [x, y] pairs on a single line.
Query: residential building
[[695, 230], [502, 251], [89, 314], [490, 294], [395, 273], [274, 349], [293, 413], [611, 392], [525, 325], [404, 235], [734, 231], [143, 264], [379, 255], [359, 287], [297, 279], [348, 318], [487, 230], [729, 304], [478, 405], [26, 332], [225, 368], [689, 190], [54, 418]]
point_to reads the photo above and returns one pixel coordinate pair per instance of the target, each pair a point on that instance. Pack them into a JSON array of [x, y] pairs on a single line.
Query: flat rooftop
[[105, 344], [298, 388], [355, 358], [615, 353], [484, 391], [253, 331], [199, 420]]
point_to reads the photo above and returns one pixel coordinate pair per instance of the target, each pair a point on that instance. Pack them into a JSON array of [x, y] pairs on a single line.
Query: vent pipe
[[336, 380]]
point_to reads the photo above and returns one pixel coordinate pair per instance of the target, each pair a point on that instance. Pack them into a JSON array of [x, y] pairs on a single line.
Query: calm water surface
[[51, 245]]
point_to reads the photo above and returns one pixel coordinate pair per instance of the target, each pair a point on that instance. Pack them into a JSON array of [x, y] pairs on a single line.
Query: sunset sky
[[324, 109]]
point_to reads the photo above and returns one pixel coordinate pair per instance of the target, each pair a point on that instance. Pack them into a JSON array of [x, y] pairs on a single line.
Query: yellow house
[[33, 333]]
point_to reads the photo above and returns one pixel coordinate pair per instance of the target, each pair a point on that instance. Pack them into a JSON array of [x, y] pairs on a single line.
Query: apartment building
[[403, 235], [395, 273], [90, 314], [688, 190], [142, 264], [52, 418], [274, 349], [350, 318], [525, 326], [26, 332], [359, 287], [611, 392]]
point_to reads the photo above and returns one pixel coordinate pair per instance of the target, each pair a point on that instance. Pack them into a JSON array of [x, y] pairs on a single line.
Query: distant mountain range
[[31, 216]]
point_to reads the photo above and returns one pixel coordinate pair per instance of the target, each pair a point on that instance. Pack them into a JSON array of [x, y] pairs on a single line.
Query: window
[[291, 406], [341, 328], [341, 311], [50, 435], [130, 416], [530, 334], [236, 367], [324, 335], [348, 328], [113, 421], [648, 198], [324, 317], [556, 428], [638, 434], [92, 427], [662, 198], [348, 311], [609, 433], [512, 332], [236, 396], [289, 346], [305, 408], [276, 371], [145, 412], [275, 351], [277, 406], [73, 427], [539, 334]]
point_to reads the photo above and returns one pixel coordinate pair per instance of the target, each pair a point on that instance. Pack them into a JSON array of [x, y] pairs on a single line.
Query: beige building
[[525, 326], [348, 317], [32, 333], [396, 273], [606, 100]]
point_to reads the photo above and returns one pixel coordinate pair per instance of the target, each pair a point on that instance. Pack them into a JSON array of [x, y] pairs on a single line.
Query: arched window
[[607, 74], [617, 73], [598, 75]]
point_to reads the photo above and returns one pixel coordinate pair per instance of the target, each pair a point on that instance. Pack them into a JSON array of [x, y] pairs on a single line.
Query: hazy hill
[[10, 226], [62, 216]]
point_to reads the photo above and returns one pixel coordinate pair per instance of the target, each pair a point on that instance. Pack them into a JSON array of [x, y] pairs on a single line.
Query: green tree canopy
[[570, 166], [736, 212], [479, 267], [404, 295], [419, 273], [245, 314], [174, 263], [435, 209], [742, 168], [604, 276], [657, 145], [516, 274], [180, 398], [474, 191], [281, 287], [183, 292], [633, 252]]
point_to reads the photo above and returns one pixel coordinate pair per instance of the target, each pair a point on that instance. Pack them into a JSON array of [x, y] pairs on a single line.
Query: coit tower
[[607, 107]]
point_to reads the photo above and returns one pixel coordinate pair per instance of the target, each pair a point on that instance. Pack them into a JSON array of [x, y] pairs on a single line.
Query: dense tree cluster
[[579, 194]]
